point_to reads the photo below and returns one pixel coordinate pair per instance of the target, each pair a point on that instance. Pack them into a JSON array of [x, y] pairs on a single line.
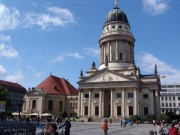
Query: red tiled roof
[[56, 85], [13, 87]]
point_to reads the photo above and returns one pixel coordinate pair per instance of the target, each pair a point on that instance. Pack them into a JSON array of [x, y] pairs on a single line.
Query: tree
[[148, 117], [135, 117], [4, 96], [172, 115], [164, 117]]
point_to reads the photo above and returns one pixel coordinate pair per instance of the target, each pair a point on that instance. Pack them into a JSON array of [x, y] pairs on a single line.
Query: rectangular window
[[120, 56], [118, 95], [130, 110], [96, 95], [179, 104], [146, 111], [130, 95], [178, 98], [96, 110], [145, 95], [170, 105], [86, 110], [165, 98], [119, 110], [162, 98], [162, 104], [166, 104], [169, 98], [174, 104], [86, 95], [173, 98]]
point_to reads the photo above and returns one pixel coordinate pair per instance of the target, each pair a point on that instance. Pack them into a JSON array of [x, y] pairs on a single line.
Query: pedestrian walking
[[105, 126], [154, 122], [137, 123]]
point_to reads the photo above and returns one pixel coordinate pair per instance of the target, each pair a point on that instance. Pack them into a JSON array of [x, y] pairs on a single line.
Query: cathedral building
[[117, 89]]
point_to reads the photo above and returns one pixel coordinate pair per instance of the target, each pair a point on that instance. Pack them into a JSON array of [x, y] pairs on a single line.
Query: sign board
[[2, 106]]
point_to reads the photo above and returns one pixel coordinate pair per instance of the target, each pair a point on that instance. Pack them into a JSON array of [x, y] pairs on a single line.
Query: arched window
[[60, 106], [50, 105], [34, 104]]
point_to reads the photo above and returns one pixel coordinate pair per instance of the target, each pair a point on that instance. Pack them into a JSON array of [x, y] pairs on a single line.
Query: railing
[[17, 128]]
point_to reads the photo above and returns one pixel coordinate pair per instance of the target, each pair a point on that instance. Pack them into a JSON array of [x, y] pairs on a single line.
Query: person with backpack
[[105, 126], [67, 125]]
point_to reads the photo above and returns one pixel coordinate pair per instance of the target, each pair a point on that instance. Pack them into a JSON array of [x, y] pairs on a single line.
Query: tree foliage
[[148, 117], [4, 96], [163, 117]]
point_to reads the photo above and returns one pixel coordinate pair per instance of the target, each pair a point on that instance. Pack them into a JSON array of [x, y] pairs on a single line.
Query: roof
[[13, 87], [116, 15], [56, 85]]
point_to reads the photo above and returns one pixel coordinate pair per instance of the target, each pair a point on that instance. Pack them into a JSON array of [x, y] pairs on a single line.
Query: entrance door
[[107, 105]]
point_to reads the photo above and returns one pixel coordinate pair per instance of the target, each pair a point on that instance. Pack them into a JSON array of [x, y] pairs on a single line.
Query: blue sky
[[61, 37]]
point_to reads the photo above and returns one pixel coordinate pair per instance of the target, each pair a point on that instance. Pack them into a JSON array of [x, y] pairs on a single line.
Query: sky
[[60, 37]]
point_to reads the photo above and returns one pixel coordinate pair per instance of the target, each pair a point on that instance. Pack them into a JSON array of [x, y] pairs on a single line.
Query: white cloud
[[16, 77], [92, 51], [9, 18], [59, 58], [55, 16], [5, 38], [2, 70], [36, 73], [147, 61], [155, 7], [75, 55], [8, 51]]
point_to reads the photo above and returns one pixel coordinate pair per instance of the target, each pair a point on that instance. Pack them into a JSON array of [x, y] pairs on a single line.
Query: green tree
[[172, 115], [135, 117], [148, 117], [164, 117], [4, 96]]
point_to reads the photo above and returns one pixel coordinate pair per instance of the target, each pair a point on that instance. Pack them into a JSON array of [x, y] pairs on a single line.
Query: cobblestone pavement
[[114, 129]]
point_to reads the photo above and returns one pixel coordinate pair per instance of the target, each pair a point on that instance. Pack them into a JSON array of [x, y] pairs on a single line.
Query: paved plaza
[[91, 128]]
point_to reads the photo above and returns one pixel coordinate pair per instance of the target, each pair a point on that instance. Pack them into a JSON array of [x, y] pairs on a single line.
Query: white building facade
[[117, 89], [170, 98]]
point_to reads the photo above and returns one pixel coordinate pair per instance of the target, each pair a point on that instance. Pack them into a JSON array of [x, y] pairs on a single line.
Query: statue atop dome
[[116, 2]]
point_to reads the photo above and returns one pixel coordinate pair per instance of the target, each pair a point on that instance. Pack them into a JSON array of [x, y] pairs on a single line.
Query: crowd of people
[[164, 129]]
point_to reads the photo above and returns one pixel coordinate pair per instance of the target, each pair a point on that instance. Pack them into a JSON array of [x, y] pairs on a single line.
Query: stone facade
[[117, 89]]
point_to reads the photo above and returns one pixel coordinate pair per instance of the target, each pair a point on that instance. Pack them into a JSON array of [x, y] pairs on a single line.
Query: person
[[27, 120], [110, 121], [154, 122], [105, 126], [173, 130], [58, 120], [67, 125], [159, 129], [51, 129], [137, 123], [121, 122], [38, 119]]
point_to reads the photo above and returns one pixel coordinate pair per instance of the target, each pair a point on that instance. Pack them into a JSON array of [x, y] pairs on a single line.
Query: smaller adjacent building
[[16, 93], [54, 95], [170, 98]]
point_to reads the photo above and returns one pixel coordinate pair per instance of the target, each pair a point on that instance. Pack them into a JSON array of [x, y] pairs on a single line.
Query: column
[[135, 102], [123, 103], [79, 104], [112, 103], [117, 50], [100, 103], [82, 107], [89, 105]]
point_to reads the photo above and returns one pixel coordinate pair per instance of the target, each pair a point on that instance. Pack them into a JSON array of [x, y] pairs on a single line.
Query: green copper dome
[[116, 15]]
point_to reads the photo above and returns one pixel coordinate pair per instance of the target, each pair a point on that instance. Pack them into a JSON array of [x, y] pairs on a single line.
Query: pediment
[[35, 92], [107, 76]]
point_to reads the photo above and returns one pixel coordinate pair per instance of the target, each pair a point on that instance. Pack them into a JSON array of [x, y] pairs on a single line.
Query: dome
[[116, 15]]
